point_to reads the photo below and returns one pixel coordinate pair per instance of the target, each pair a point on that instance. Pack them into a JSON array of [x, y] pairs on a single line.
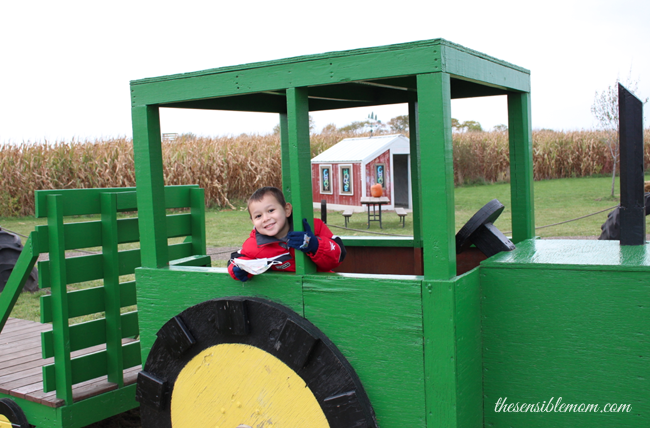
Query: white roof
[[363, 149]]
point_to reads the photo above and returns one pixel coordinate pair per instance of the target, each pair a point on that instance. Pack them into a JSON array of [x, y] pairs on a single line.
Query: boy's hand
[[240, 273], [304, 241]]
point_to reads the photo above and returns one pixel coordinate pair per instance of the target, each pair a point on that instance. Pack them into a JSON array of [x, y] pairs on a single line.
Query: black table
[[374, 202]]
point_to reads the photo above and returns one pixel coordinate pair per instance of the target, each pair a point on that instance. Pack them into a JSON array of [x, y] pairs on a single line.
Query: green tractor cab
[[411, 333]]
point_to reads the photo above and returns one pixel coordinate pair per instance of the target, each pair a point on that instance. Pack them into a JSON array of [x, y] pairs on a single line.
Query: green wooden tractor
[[419, 337]]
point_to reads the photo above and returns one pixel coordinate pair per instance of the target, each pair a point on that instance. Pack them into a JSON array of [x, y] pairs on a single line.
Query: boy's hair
[[259, 194]]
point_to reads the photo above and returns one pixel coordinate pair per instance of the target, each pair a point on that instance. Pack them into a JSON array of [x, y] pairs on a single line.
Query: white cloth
[[257, 266]]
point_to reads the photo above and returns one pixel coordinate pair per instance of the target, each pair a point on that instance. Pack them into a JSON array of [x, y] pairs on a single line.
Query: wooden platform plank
[[19, 353], [21, 373], [25, 363], [25, 332]]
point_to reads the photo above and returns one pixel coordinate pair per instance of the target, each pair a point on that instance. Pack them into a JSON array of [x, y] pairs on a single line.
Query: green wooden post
[[434, 130], [433, 120], [197, 205], [18, 278], [115, 363], [147, 152], [284, 150], [415, 170], [439, 322], [521, 166], [58, 286], [300, 167]]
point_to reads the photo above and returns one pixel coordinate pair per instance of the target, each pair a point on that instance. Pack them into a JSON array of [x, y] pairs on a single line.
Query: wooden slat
[[197, 198], [192, 261], [113, 319], [90, 366], [75, 201], [179, 225], [88, 234], [91, 333], [88, 301]]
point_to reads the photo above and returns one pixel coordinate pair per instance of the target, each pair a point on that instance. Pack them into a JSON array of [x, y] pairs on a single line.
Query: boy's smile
[[269, 217]]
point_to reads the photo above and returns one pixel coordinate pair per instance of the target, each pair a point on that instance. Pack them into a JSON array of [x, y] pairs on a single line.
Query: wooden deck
[[21, 373]]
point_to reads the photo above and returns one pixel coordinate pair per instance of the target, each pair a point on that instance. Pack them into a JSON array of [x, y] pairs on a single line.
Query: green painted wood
[[197, 213], [76, 235], [179, 196], [414, 150], [126, 201], [58, 285], [151, 194], [452, 351], [88, 301], [19, 276], [471, 65], [437, 169], [37, 414], [579, 334], [88, 234], [90, 268], [286, 158], [439, 313], [376, 322], [469, 362], [111, 276], [87, 201], [168, 292], [328, 69], [90, 366], [127, 230], [300, 167], [81, 413], [90, 333], [95, 409], [179, 225], [521, 166], [573, 254], [192, 261], [75, 201], [346, 95]]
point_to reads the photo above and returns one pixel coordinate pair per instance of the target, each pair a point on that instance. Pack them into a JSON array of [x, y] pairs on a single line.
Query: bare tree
[[605, 110]]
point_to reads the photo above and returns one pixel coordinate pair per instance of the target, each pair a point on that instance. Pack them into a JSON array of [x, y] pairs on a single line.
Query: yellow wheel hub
[[234, 384]]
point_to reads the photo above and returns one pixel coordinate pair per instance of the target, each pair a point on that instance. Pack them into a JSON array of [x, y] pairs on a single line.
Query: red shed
[[344, 173]]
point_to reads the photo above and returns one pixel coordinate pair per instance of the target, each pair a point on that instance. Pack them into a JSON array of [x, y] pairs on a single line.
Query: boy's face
[[269, 217]]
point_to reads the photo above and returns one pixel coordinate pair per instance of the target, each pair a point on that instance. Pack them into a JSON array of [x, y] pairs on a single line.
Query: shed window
[[325, 179], [380, 174], [346, 180]]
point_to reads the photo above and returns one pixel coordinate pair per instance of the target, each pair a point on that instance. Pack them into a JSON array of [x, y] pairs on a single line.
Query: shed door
[[401, 180]]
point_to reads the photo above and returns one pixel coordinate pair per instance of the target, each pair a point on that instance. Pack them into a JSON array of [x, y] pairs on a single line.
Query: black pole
[[632, 212], [323, 210]]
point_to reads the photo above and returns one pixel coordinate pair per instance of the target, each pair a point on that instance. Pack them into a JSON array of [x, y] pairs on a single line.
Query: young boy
[[273, 237]]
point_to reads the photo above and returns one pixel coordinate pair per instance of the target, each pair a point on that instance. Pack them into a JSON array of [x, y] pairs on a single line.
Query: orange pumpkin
[[376, 190]]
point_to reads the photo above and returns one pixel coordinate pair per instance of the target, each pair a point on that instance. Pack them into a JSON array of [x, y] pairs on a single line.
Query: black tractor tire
[[611, 229], [10, 249]]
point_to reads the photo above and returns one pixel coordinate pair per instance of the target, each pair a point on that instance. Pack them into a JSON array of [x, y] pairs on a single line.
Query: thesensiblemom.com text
[[554, 405]]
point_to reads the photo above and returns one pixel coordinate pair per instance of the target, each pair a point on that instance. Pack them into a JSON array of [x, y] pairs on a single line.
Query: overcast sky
[[66, 65]]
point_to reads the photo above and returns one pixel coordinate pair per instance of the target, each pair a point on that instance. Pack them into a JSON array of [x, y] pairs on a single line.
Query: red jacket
[[329, 255]]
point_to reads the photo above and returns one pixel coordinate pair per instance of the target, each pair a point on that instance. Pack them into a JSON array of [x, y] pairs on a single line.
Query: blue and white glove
[[304, 241], [240, 273]]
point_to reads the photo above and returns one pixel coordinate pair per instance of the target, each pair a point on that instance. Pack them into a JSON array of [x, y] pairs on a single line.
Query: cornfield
[[231, 168]]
